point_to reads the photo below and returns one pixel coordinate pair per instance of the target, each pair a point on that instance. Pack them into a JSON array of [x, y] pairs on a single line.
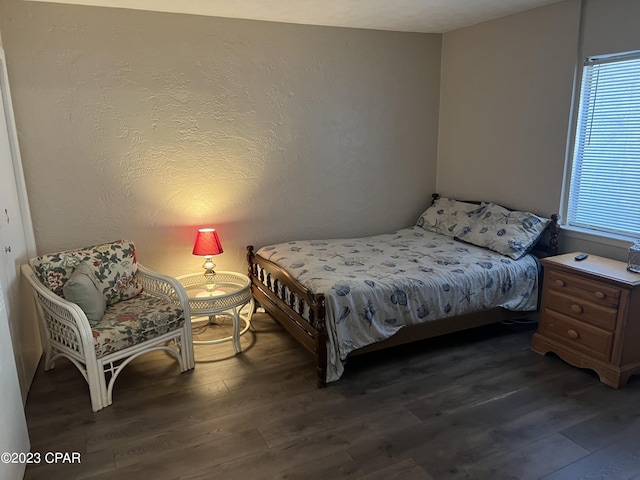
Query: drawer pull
[[573, 334], [599, 295], [575, 308], [560, 283]]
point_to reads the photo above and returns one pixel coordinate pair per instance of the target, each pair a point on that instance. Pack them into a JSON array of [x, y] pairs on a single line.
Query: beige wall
[[147, 126], [159, 123], [611, 26], [507, 88], [505, 105]]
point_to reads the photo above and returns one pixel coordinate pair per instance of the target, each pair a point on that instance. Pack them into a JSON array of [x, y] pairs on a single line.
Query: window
[[604, 193]]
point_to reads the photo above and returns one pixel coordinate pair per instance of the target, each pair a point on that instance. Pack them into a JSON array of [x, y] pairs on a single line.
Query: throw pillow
[[83, 289]]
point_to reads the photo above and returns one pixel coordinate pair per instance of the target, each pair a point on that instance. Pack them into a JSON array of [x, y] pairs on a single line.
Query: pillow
[[511, 233], [83, 289], [447, 216]]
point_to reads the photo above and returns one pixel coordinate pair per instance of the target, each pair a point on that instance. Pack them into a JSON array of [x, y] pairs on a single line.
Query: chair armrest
[[61, 318], [165, 287]]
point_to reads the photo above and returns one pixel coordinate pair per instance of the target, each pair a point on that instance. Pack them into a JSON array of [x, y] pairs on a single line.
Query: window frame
[[584, 233]]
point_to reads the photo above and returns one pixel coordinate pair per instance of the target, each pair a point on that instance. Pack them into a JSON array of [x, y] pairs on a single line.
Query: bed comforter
[[374, 286]]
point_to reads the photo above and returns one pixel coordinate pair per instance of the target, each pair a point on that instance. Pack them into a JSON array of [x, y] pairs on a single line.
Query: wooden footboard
[[300, 312]]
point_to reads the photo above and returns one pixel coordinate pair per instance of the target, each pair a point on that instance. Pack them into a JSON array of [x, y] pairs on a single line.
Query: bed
[[462, 265]]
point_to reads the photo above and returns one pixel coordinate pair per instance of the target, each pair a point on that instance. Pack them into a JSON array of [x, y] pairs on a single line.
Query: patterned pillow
[[448, 216], [115, 267], [510, 233]]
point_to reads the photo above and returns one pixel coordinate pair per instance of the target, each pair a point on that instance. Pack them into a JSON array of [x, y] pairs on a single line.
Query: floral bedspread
[[374, 286]]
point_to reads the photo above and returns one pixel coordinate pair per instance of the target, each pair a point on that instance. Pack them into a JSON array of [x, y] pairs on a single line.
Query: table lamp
[[207, 245]]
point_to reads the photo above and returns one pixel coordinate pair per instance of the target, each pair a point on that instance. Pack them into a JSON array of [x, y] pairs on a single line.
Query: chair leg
[[97, 387], [49, 364], [186, 351]]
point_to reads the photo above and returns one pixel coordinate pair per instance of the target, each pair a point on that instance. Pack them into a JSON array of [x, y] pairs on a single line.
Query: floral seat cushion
[[115, 267], [129, 323]]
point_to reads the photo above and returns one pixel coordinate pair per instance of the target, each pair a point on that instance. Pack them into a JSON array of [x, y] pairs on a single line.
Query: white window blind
[[604, 192]]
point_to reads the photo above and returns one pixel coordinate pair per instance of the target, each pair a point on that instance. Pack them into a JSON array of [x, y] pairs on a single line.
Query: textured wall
[[149, 125], [611, 26], [505, 106]]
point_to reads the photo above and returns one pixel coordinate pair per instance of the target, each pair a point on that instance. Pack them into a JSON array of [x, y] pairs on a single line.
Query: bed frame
[[287, 300]]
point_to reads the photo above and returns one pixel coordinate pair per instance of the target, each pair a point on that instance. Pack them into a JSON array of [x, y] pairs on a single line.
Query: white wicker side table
[[224, 292]]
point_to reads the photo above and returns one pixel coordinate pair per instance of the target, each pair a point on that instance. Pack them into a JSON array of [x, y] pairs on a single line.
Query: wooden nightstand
[[590, 316]]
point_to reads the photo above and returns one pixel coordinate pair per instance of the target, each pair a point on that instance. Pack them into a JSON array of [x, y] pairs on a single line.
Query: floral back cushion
[[448, 216], [116, 269]]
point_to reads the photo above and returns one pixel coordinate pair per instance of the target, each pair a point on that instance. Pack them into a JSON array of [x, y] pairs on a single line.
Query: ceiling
[[427, 16]]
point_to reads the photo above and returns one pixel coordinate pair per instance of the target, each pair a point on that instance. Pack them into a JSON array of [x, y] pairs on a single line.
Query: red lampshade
[[207, 242]]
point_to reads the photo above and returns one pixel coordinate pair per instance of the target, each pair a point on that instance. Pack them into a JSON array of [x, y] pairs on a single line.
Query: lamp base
[[208, 265], [209, 274]]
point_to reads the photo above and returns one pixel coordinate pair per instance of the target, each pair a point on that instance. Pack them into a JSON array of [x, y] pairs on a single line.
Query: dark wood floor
[[477, 405]]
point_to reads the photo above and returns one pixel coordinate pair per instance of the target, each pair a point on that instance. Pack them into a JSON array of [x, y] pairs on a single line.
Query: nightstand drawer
[[581, 310], [577, 335], [574, 286]]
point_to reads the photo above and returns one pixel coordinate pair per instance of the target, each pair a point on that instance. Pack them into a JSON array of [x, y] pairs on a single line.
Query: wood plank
[[618, 461], [530, 462], [457, 406]]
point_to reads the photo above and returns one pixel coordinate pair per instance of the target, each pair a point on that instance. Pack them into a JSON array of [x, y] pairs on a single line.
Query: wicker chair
[[139, 311]]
